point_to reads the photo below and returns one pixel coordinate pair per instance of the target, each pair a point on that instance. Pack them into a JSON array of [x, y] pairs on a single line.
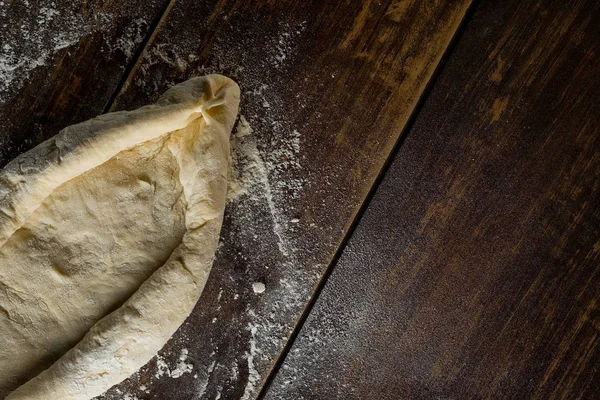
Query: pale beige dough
[[108, 233]]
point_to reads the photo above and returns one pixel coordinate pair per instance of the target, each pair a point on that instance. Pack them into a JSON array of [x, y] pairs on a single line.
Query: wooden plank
[[474, 272], [61, 61], [327, 88]]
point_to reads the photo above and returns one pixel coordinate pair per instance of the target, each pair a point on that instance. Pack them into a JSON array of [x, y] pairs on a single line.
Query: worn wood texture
[[327, 88], [61, 61], [474, 272]]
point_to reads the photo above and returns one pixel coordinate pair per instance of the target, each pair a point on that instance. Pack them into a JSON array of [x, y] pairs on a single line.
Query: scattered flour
[[37, 42], [249, 175], [182, 366], [253, 374], [205, 379], [49, 29], [246, 163], [133, 35], [258, 287], [161, 367]]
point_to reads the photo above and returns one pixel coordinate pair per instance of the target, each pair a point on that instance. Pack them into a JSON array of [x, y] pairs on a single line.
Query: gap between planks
[[132, 67]]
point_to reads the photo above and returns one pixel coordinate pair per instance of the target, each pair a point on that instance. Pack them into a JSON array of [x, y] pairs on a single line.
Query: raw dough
[[108, 233]]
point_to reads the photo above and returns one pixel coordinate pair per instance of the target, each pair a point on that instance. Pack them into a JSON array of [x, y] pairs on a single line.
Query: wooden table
[[427, 220]]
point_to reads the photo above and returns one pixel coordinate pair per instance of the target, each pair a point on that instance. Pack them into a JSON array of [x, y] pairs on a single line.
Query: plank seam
[[137, 58]]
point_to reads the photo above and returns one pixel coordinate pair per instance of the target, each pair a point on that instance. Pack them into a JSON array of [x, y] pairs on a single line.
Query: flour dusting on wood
[[182, 366], [49, 29], [60, 61]]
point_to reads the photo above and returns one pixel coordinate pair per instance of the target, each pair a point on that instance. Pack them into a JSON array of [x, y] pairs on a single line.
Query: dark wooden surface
[[61, 61], [474, 273], [327, 88]]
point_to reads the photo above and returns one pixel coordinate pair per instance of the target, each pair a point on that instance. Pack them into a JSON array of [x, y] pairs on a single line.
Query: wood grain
[[474, 273], [327, 88], [61, 61]]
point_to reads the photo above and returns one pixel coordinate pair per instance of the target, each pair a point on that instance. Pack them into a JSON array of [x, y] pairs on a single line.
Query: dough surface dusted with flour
[[107, 235]]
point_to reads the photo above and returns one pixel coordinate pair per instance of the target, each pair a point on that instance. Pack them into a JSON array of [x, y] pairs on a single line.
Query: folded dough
[[107, 235]]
